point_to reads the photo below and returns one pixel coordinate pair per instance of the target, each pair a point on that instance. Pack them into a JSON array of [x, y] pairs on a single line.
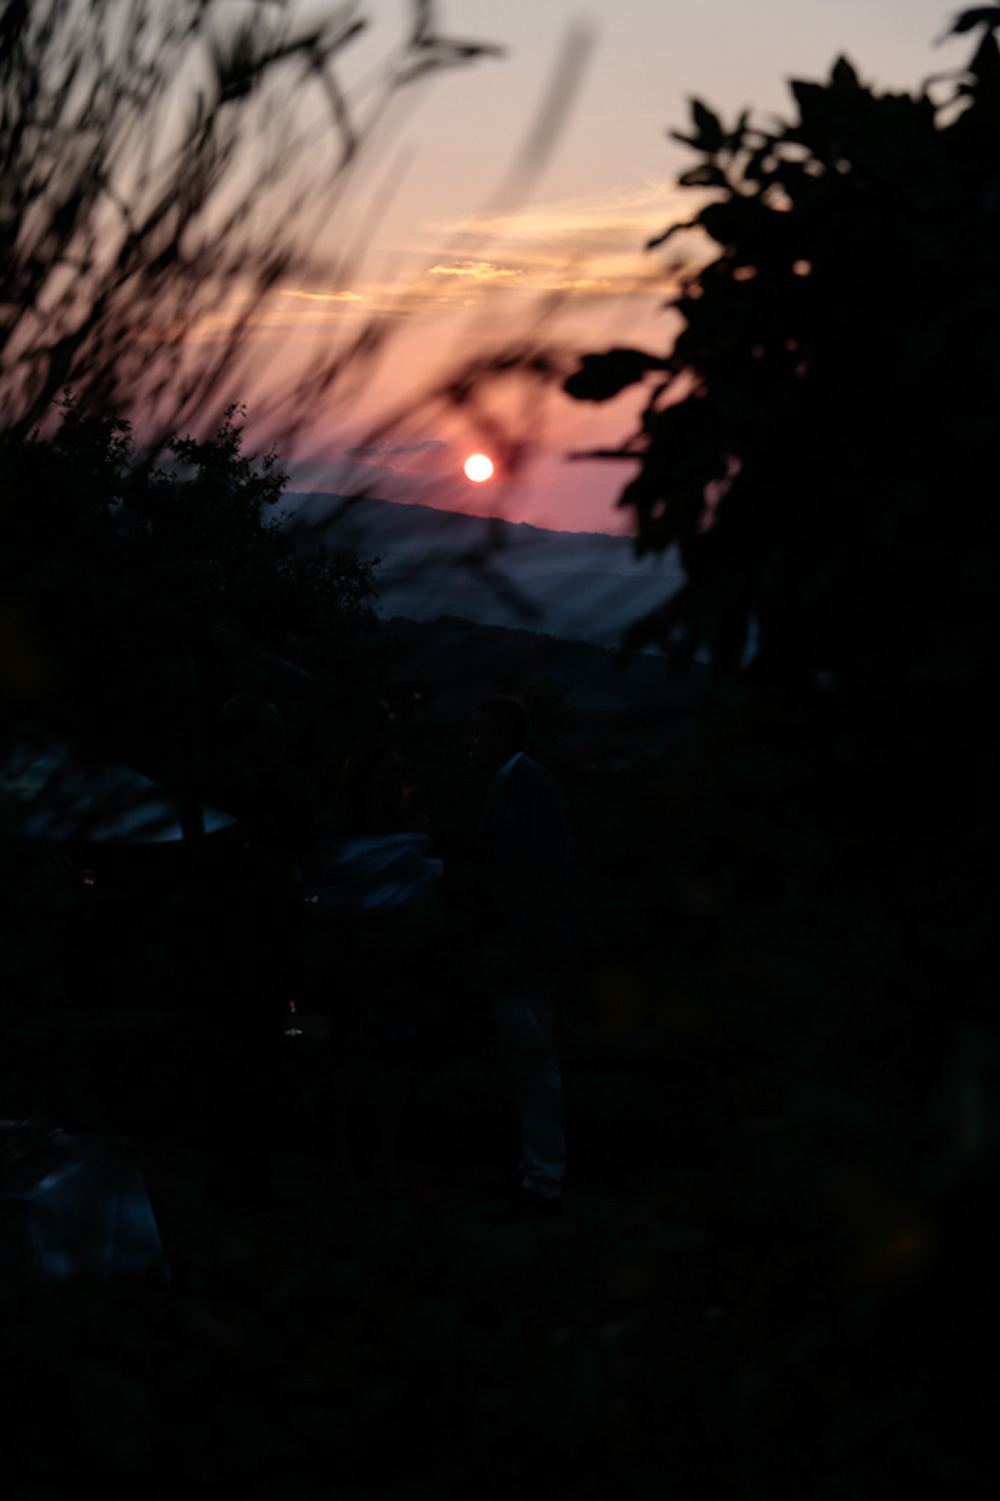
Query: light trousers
[[524, 1024]]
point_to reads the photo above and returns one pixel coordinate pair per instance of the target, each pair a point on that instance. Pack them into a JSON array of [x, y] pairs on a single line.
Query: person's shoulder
[[525, 766], [532, 774]]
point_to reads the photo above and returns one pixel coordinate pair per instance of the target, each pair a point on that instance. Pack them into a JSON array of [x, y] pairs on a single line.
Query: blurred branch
[[157, 177]]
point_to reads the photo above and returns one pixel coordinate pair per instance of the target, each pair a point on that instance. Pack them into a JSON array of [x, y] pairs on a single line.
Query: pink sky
[[454, 266]]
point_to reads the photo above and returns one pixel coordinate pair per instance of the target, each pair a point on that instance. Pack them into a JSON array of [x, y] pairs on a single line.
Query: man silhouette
[[257, 923], [520, 897]]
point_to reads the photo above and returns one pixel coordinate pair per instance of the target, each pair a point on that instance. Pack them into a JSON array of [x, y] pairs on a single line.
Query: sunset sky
[[465, 249]]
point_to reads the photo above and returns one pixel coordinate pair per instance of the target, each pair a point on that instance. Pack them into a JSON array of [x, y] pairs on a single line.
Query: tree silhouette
[[820, 446], [150, 594], [837, 378], [162, 170]]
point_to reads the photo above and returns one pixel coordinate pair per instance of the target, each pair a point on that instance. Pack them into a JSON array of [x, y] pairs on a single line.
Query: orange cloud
[[592, 246], [321, 296], [476, 271], [620, 221], [581, 284]]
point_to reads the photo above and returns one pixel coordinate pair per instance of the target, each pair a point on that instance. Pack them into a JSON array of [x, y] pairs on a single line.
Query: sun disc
[[478, 467]]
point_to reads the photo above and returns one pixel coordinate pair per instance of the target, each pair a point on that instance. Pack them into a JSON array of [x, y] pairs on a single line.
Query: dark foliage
[[153, 593], [842, 350], [820, 446]]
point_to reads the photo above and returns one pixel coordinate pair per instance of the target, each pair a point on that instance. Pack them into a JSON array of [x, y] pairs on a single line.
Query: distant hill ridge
[[582, 586], [454, 662]]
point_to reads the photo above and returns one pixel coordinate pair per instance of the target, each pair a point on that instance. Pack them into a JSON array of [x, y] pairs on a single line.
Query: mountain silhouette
[[578, 586]]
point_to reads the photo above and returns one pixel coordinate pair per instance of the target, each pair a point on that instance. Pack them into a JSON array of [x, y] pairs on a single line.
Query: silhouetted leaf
[[986, 63], [756, 166], [668, 233], [980, 15], [602, 376], [709, 135], [843, 76], [734, 140], [812, 99], [706, 176]]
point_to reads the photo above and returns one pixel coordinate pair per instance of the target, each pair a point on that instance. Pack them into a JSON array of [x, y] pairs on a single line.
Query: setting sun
[[478, 467]]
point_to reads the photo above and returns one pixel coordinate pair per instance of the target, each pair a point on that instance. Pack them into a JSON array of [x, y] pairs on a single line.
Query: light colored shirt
[[376, 873], [505, 770]]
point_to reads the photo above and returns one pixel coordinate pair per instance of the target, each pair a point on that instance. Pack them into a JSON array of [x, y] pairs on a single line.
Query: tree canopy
[[837, 378], [150, 593]]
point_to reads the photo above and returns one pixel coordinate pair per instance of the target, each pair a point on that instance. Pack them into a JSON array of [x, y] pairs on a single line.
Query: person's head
[[373, 787], [250, 730], [373, 764], [498, 729]]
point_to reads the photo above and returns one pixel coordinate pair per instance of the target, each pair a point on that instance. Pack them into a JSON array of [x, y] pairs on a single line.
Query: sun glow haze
[[478, 468], [466, 260]]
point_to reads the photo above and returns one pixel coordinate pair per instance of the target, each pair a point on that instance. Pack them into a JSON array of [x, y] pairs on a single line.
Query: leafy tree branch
[[837, 381]]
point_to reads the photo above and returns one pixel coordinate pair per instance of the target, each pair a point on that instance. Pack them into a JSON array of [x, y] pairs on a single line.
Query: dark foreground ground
[[774, 1274], [663, 1336], [387, 1342]]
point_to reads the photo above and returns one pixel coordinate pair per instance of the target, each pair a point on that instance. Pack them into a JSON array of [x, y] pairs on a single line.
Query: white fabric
[[376, 873], [524, 1025], [506, 769]]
